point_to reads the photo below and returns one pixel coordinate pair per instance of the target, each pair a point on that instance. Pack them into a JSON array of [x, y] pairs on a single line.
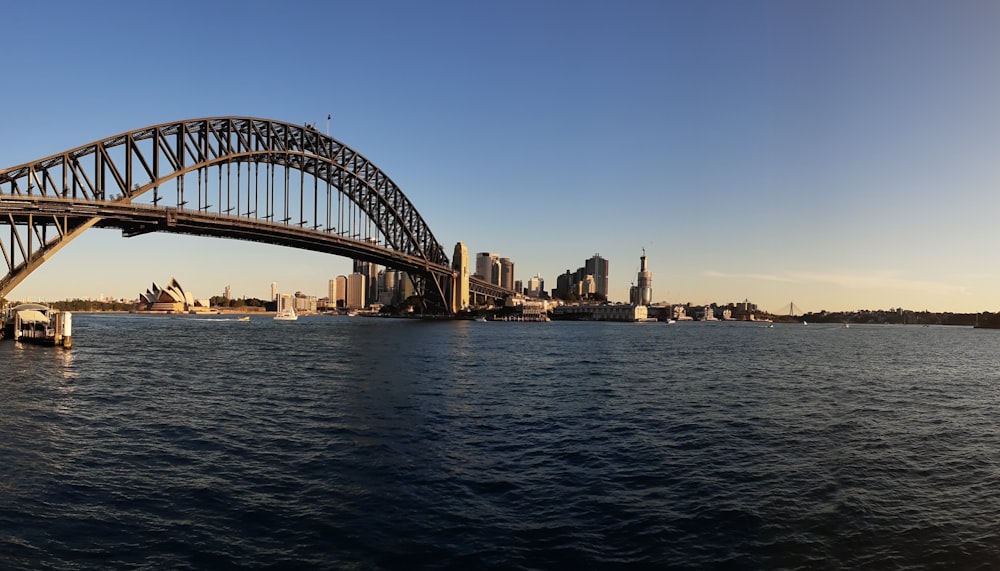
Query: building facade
[[460, 265], [606, 312], [357, 290], [642, 293], [598, 267]]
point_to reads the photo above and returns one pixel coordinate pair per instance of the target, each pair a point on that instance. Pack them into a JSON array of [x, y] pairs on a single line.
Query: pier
[[38, 324]]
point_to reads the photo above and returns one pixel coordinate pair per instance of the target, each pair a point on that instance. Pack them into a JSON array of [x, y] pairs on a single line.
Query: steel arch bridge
[[233, 177]]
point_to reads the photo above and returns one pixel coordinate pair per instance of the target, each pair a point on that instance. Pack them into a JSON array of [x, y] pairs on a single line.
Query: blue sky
[[840, 155]]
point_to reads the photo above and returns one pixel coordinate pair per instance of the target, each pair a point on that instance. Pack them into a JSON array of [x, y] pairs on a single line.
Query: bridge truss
[[235, 177]]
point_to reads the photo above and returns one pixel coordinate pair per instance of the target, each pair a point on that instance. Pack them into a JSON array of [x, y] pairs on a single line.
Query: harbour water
[[361, 443]]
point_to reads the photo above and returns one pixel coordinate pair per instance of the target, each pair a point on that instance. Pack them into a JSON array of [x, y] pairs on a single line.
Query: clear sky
[[840, 155]]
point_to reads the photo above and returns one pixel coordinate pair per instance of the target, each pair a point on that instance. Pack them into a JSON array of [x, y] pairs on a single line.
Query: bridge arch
[[150, 178]]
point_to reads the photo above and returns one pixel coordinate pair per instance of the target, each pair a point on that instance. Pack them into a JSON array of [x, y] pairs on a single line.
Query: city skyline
[[835, 155]]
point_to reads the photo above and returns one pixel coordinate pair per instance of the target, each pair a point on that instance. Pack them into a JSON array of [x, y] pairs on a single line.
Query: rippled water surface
[[357, 443]]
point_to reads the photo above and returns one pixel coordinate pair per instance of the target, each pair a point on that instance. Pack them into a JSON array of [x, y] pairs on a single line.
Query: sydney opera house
[[171, 299]]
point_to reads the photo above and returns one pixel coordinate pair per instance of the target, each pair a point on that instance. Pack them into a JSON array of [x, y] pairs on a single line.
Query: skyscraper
[[506, 273], [460, 264], [357, 287], [488, 267], [536, 285], [370, 271], [598, 267], [341, 293]]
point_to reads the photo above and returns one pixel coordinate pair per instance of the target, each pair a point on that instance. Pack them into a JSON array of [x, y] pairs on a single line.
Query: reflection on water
[[380, 444]]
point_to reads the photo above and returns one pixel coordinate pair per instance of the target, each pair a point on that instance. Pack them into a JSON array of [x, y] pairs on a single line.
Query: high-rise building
[[357, 288], [598, 267], [388, 292], [564, 284], [370, 271], [536, 285], [229, 293], [341, 299], [488, 267], [506, 273], [331, 292], [274, 291], [460, 264]]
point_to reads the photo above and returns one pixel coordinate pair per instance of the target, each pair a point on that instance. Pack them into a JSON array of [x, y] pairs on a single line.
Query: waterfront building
[[603, 312], [526, 308], [642, 294], [598, 267], [460, 264], [171, 299], [519, 286], [331, 293]]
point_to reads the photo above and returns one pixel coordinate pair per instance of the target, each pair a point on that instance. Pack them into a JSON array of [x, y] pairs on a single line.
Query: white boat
[[286, 309], [287, 314]]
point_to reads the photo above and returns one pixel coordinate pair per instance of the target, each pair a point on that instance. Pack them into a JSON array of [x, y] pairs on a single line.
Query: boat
[[481, 318], [287, 314], [286, 309], [244, 318]]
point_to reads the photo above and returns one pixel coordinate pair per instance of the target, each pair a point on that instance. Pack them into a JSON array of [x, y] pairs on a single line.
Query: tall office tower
[[536, 285], [485, 264], [229, 293], [598, 267], [519, 286], [564, 284], [274, 291], [357, 288], [331, 293], [341, 299], [460, 264], [370, 271], [506, 273], [644, 294], [387, 290]]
